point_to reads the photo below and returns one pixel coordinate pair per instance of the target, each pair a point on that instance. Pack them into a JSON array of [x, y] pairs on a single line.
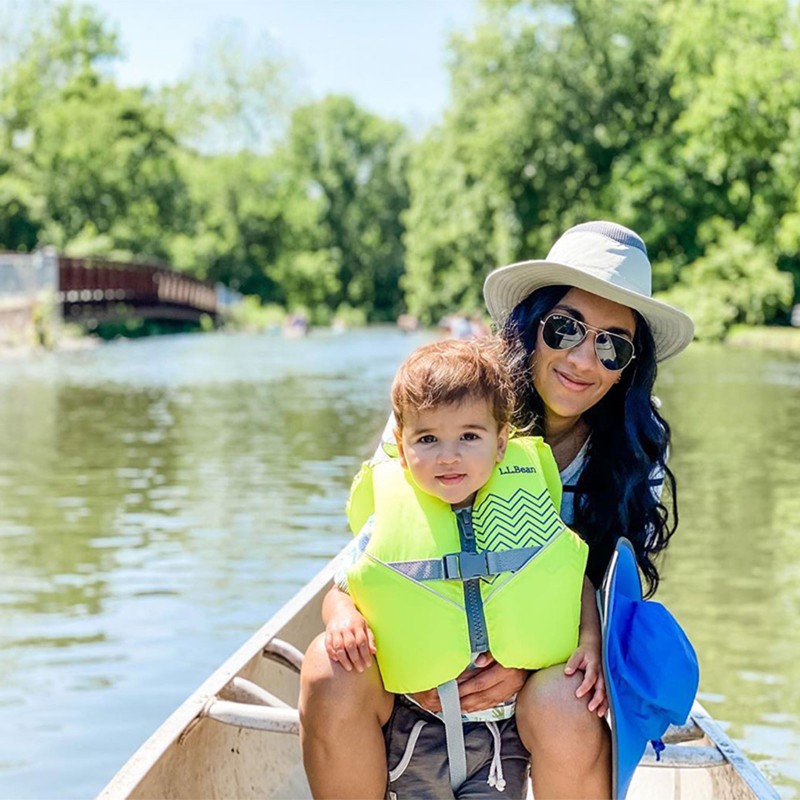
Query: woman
[[583, 336]]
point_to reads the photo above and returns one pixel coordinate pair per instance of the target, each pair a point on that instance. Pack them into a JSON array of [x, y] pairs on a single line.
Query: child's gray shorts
[[417, 756]]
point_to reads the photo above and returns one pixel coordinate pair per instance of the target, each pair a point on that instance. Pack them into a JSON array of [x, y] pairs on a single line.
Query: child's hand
[[349, 641], [587, 658]]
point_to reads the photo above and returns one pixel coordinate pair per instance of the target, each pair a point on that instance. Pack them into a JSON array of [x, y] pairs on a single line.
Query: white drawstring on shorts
[[496, 778], [402, 765]]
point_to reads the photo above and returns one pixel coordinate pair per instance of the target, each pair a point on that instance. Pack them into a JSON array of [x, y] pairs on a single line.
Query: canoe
[[236, 736]]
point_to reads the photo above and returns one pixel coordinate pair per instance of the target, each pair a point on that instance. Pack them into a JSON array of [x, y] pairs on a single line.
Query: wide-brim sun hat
[[649, 665], [604, 258]]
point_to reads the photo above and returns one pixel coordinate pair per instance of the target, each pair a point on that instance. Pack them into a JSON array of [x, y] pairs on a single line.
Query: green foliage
[[570, 110], [666, 115], [548, 99], [239, 206], [783, 340], [22, 210], [349, 316], [347, 171], [69, 45], [449, 223], [133, 327], [44, 58], [84, 165], [251, 315], [45, 315], [111, 172], [310, 278], [734, 282]]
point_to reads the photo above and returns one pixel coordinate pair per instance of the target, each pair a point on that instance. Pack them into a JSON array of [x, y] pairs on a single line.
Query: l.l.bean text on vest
[[515, 469]]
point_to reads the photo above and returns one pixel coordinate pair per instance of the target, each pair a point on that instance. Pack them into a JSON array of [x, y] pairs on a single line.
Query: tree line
[[679, 118]]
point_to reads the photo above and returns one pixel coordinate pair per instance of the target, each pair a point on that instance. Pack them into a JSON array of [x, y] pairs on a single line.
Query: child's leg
[[570, 746], [341, 719]]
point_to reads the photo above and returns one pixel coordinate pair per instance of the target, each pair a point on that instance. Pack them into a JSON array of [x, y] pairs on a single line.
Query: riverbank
[[20, 352], [785, 339], [43, 329]]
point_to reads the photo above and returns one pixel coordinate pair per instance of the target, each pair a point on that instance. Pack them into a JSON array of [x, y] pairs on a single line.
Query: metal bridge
[[101, 290]]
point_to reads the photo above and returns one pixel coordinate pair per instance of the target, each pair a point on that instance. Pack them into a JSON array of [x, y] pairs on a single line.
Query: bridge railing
[[84, 281]]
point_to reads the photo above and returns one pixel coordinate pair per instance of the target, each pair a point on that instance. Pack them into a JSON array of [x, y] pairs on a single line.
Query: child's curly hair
[[450, 372]]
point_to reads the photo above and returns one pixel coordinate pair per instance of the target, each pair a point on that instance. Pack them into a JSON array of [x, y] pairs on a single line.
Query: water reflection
[[733, 573], [161, 498]]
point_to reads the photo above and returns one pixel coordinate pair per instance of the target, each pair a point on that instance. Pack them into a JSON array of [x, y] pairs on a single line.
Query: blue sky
[[390, 55]]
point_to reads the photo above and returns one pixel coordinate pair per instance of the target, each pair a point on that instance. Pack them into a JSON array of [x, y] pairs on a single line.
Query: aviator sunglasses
[[561, 332]]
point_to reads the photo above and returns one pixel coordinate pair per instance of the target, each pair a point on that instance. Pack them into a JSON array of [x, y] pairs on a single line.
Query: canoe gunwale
[[747, 771], [681, 757]]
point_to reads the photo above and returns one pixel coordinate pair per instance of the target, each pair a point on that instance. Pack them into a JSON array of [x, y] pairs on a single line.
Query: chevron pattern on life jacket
[[522, 520]]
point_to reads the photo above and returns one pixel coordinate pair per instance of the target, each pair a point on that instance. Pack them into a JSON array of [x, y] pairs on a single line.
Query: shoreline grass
[[784, 339]]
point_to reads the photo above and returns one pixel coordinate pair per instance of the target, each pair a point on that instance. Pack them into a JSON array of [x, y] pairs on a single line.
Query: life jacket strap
[[454, 733], [465, 566]]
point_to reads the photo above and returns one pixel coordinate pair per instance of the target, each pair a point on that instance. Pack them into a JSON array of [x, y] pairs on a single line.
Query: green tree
[[548, 97], [21, 208], [347, 168], [452, 223], [786, 165], [84, 165], [53, 48], [740, 87], [734, 145], [240, 204], [574, 109], [734, 282], [43, 51], [109, 174]]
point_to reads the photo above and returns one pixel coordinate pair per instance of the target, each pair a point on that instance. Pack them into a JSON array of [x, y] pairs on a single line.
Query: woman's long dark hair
[[628, 446]]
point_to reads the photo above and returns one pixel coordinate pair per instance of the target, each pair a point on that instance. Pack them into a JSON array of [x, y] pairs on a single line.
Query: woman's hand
[[478, 689]]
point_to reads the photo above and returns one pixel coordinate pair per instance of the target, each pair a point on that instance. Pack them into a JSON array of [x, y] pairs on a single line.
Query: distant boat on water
[[408, 323], [296, 326]]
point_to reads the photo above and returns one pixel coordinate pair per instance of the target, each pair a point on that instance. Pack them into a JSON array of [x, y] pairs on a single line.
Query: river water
[[161, 498]]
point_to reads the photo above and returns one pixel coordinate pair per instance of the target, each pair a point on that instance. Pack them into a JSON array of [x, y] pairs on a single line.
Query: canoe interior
[[191, 756]]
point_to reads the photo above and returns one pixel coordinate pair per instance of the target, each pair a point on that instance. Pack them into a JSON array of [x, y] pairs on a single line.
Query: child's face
[[452, 450]]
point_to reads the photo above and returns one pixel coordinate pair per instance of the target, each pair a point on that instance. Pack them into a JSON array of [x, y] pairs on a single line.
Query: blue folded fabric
[[649, 664]]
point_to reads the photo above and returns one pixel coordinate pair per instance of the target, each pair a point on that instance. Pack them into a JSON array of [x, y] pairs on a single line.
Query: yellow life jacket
[[411, 582]]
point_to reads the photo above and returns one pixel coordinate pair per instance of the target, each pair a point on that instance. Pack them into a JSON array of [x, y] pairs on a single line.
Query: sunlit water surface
[[162, 498]]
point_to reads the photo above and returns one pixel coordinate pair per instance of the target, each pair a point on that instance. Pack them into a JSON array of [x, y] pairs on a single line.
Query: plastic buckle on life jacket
[[464, 566]]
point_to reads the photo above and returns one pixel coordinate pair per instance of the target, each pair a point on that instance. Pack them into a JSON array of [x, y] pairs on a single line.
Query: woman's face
[[572, 381]]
